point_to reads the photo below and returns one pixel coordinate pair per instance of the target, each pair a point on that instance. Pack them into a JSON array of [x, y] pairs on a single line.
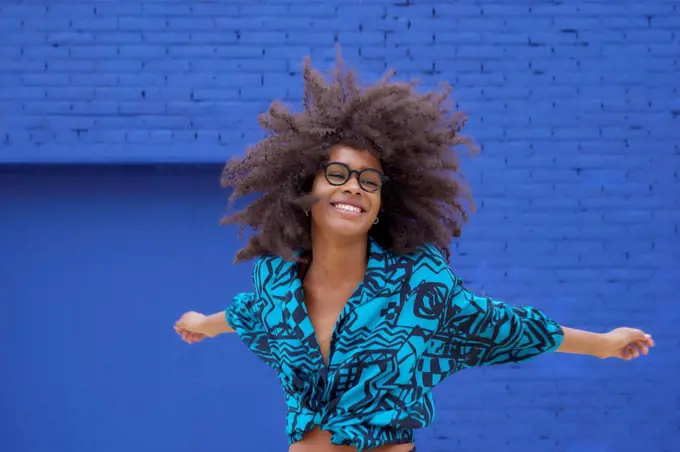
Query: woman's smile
[[351, 210]]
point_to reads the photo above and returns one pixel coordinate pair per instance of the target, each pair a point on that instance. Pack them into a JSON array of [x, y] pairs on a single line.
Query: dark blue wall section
[[96, 265], [575, 105]]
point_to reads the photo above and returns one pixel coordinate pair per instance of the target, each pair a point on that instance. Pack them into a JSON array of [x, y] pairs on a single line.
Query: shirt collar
[[374, 280]]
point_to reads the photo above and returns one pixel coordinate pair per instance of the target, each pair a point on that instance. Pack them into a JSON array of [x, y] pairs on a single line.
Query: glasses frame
[[350, 171]]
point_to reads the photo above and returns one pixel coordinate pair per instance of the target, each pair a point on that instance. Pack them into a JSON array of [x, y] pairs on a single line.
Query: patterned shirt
[[410, 324]]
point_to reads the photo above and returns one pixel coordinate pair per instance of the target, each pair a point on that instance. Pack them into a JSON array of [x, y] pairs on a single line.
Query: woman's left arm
[[624, 343], [474, 331], [497, 333]]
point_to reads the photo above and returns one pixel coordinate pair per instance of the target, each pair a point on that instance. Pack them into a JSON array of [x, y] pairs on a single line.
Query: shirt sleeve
[[244, 315], [477, 331], [488, 331]]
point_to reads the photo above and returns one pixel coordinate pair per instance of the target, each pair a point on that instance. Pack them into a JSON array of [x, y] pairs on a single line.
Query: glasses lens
[[370, 180], [337, 173]]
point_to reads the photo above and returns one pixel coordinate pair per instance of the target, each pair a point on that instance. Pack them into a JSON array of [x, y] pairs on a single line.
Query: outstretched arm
[[243, 316], [494, 332], [194, 326], [624, 343]]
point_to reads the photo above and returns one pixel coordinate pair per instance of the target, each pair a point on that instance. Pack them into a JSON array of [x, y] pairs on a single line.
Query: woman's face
[[348, 202]]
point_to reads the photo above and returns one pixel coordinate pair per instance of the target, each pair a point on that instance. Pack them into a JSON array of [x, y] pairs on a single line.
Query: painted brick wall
[[575, 105]]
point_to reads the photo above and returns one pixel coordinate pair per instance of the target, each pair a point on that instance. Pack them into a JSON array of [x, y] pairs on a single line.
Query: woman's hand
[[625, 343], [192, 327]]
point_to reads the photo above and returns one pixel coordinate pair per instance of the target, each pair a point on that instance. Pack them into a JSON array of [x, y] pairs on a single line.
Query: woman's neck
[[336, 261]]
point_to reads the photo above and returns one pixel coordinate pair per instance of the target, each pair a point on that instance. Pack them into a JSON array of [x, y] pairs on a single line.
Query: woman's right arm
[[216, 324], [194, 326], [241, 316]]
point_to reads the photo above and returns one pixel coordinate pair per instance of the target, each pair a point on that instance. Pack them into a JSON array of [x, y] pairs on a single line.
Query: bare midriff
[[318, 440]]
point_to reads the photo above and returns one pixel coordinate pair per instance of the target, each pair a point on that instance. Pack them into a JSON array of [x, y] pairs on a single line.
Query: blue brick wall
[[575, 105]]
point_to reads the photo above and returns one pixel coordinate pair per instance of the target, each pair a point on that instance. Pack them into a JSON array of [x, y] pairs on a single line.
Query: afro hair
[[414, 135]]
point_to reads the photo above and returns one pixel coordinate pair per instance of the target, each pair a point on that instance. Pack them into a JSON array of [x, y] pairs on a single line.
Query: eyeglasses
[[337, 174]]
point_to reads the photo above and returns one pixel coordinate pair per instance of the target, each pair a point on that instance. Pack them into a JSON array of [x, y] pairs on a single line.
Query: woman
[[354, 304]]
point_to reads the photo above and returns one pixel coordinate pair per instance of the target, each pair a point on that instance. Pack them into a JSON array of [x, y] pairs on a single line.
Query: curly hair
[[426, 199]]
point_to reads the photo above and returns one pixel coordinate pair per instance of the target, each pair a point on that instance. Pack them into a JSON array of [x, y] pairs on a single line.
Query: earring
[[376, 220], [306, 212]]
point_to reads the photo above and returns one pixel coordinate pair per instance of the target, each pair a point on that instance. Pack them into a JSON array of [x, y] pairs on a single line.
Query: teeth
[[348, 208]]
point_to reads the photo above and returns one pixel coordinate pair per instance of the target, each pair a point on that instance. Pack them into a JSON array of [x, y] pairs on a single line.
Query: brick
[[214, 38], [214, 9], [141, 108], [261, 38], [348, 23], [165, 9], [22, 92], [119, 38], [111, 9], [94, 23], [93, 80], [68, 93], [45, 79], [145, 78], [142, 23], [283, 10], [45, 51], [191, 24], [92, 52]]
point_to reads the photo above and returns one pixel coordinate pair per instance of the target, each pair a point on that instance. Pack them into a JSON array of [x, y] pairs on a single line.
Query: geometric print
[[408, 326]]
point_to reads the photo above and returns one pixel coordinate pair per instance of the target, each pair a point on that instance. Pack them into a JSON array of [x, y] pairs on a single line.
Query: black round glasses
[[338, 173]]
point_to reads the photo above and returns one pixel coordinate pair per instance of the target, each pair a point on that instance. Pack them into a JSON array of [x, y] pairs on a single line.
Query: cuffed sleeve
[[244, 315], [494, 332], [475, 330]]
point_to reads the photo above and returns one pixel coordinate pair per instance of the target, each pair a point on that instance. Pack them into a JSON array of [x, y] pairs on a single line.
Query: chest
[[324, 308]]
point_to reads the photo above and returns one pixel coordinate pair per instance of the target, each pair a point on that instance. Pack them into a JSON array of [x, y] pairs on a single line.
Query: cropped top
[[410, 324]]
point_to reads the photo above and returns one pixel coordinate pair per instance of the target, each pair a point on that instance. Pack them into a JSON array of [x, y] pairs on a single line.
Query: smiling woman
[[354, 303]]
